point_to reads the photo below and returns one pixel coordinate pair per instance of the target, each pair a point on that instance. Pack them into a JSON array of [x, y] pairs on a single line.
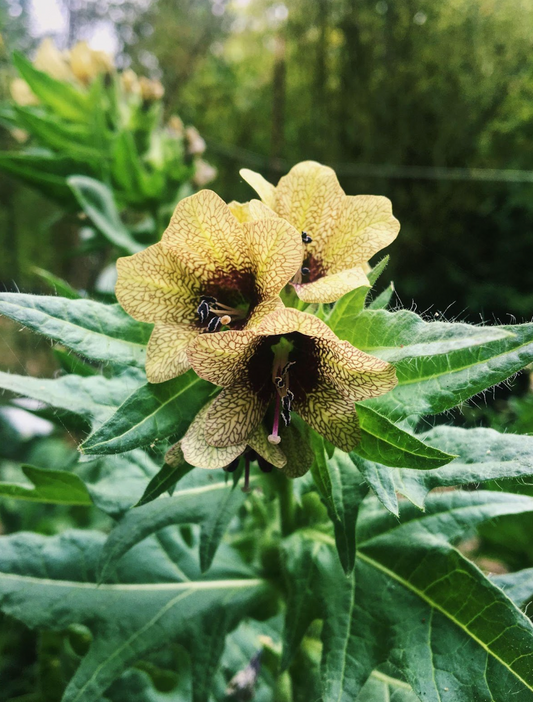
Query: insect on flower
[[209, 273]]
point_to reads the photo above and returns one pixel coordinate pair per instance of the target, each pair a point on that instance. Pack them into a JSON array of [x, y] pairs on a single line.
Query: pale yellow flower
[[22, 93], [87, 63], [52, 61], [208, 273], [292, 361], [340, 233]]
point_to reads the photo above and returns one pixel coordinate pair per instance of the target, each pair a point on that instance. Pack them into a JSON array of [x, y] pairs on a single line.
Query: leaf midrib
[[433, 604], [140, 587]]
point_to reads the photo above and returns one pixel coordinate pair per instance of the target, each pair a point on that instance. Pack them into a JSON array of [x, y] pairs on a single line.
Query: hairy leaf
[[206, 500], [387, 443], [151, 413], [50, 583], [92, 329]]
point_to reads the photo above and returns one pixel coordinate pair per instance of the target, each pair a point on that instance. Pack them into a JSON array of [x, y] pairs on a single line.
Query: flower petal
[[153, 286], [199, 453], [310, 198], [221, 358], [331, 288], [261, 310], [355, 374], [276, 252], [331, 415], [206, 236], [272, 453], [265, 190], [287, 320], [233, 416], [365, 226], [166, 356], [250, 211]]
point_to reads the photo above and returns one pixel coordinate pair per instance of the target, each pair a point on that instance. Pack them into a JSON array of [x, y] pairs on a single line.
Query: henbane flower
[[209, 273], [290, 361], [340, 233]]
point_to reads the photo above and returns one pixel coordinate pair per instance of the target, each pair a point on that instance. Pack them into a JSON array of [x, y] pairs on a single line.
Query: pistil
[[215, 314], [275, 438]]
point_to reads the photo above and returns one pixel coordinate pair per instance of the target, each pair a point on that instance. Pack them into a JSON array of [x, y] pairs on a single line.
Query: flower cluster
[[212, 287]]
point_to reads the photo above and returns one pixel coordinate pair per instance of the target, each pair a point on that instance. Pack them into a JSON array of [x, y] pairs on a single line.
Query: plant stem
[[286, 505]]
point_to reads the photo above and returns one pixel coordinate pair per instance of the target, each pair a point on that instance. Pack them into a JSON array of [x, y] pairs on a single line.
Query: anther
[[208, 298], [305, 270], [225, 319], [306, 238], [286, 368], [213, 324], [286, 416], [203, 311], [279, 381]]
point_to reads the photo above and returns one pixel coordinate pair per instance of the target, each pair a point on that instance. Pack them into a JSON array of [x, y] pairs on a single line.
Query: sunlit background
[[430, 103]]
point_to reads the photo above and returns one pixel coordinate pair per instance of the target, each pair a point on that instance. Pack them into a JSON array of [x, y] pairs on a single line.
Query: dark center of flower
[[227, 302], [311, 269]]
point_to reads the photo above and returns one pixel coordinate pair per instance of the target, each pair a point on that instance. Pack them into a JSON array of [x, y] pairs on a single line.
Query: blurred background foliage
[[420, 101]]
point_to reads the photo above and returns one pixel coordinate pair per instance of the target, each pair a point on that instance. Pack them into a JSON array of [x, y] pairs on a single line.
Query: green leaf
[[517, 586], [63, 98], [383, 299], [93, 397], [412, 585], [387, 443], [317, 589], [350, 305], [483, 454], [94, 330], [97, 201], [342, 490], [116, 483], [50, 583], [151, 413], [439, 365], [73, 139], [385, 688], [53, 486], [60, 286], [45, 171], [163, 481], [203, 500]]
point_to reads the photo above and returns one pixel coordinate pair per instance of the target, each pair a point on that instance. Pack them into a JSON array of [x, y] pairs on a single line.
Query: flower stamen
[[306, 238]]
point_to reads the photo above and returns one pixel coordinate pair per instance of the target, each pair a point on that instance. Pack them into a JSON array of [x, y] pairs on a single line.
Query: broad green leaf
[[387, 443], [97, 201], [209, 501], [517, 586], [342, 490], [483, 454], [403, 335], [116, 483], [94, 330], [93, 397], [163, 481], [350, 305], [151, 413], [433, 384], [66, 101], [412, 585], [53, 486], [50, 583], [317, 589]]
